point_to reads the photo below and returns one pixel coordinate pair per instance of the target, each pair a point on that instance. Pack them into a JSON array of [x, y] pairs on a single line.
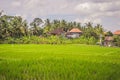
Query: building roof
[[109, 38], [57, 31], [75, 30], [117, 32]]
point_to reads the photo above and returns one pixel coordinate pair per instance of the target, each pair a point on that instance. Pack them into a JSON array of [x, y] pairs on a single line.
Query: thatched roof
[[117, 32], [57, 31]]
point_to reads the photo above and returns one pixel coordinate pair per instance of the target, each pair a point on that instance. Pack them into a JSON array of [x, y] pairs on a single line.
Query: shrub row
[[48, 40]]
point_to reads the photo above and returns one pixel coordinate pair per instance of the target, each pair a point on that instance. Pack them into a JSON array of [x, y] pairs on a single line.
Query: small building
[[57, 31], [74, 33], [117, 32], [108, 41]]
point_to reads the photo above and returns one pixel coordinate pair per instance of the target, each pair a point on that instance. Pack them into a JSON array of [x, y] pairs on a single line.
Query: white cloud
[[119, 23], [89, 19], [106, 14], [32, 4], [2, 12], [22, 15], [97, 9], [87, 8], [38, 8], [78, 20], [16, 4], [93, 20], [97, 21]]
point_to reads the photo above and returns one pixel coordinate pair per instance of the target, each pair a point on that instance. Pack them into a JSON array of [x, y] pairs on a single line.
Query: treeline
[[14, 29], [15, 26]]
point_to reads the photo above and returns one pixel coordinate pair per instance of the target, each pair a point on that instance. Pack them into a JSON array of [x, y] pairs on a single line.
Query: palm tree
[[47, 27], [4, 26], [35, 29]]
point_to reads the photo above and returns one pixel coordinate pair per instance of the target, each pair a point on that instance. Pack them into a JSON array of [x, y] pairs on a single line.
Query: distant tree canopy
[[12, 26], [16, 27], [109, 33]]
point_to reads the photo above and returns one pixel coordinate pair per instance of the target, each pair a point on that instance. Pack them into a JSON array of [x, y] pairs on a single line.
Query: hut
[[108, 41], [57, 31], [74, 33]]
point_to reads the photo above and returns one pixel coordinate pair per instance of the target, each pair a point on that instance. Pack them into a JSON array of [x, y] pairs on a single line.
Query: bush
[[117, 41], [49, 40]]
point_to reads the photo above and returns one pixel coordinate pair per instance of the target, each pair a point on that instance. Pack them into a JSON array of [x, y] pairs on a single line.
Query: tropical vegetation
[[14, 29]]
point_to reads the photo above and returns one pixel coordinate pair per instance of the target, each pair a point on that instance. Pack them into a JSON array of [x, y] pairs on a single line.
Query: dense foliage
[[14, 29], [117, 40], [49, 40]]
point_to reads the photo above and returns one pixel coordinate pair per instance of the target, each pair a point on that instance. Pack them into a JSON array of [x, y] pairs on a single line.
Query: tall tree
[[20, 26], [4, 26], [36, 29], [48, 26]]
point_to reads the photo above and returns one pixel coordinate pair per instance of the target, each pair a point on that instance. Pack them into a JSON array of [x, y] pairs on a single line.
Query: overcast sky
[[105, 12]]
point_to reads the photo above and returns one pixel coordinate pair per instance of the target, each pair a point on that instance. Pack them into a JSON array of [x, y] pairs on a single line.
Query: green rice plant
[[59, 62]]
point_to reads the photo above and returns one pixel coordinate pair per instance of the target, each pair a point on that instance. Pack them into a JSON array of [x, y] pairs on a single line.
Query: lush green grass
[[59, 62]]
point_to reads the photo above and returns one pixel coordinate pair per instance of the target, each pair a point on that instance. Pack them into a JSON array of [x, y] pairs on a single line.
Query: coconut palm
[[35, 29]]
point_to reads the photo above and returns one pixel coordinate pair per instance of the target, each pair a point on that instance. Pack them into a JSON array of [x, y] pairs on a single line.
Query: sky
[[105, 12]]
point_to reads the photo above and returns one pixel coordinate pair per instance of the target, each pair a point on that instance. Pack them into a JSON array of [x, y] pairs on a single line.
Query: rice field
[[59, 62]]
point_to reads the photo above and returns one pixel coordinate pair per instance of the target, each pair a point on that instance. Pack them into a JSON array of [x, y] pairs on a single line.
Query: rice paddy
[[59, 62]]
